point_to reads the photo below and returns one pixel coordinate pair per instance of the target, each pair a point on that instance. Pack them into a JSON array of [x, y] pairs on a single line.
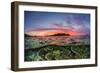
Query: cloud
[[60, 28]]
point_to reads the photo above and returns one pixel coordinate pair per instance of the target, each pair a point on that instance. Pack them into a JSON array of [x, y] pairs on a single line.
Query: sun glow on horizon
[[51, 32], [50, 23]]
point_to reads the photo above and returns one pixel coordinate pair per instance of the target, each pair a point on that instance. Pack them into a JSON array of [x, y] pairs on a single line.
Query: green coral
[[54, 52]]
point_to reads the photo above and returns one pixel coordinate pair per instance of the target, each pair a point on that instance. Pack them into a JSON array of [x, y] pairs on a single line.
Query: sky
[[47, 23]]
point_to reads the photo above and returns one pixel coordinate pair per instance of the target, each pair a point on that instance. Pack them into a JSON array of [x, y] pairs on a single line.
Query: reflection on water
[[37, 41]]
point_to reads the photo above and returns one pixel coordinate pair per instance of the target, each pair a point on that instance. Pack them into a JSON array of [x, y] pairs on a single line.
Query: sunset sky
[[48, 23]]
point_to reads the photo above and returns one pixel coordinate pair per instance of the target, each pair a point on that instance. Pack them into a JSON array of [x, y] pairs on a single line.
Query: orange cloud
[[51, 32]]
